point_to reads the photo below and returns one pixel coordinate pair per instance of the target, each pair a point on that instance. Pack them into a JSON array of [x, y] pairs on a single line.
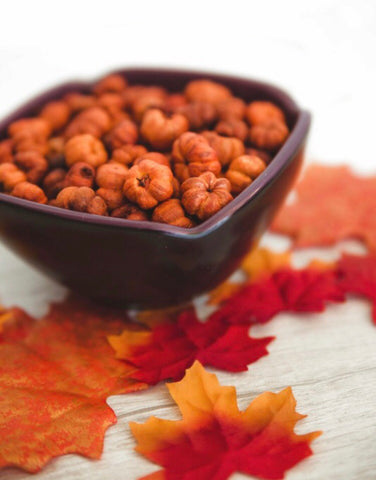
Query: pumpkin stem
[[144, 181]]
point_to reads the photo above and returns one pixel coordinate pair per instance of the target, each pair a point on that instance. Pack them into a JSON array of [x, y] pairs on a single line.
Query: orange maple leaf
[[331, 204], [214, 439], [223, 292], [261, 262], [55, 376]]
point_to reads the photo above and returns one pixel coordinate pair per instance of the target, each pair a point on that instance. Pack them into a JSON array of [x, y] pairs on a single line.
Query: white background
[[323, 53]]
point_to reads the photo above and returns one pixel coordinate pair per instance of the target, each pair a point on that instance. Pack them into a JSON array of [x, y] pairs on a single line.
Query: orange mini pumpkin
[[155, 156], [80, 174], [232, 107], [33, 164], [199, 114], [81, 199], [148, 184], [124, 133], [56, 113], [232, 127], [205, 195], [113, 83], [226, 148], [172, 212], [127, 154], [192, 155], [260, 112], [161, 130], [85, 148], [270, 135], [111, 175], [10, 175], [29, 191], [243, 170], [6, 151], [95, 121], [206, 91], [130, 212]]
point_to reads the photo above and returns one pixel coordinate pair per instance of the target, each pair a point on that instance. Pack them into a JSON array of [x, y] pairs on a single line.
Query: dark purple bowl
[[146, 264]]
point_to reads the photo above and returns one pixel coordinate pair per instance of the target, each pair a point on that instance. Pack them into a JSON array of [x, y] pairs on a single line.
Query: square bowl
[[143, 265]]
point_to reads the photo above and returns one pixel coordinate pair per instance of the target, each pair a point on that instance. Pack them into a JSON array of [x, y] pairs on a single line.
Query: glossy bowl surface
[[145, 264]]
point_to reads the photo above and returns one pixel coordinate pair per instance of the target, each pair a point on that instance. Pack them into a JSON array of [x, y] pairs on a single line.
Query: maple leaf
[[215, 439], [331, 204], [357, 274], [261, 261], [223, 292], [258, 263], [287, 290], [170, 348], [55, 376]]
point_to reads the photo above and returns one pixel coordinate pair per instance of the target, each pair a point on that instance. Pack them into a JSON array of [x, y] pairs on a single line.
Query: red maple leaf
[[357, 274], [172, 347], [287, 290], [214, 439], [331, 204]]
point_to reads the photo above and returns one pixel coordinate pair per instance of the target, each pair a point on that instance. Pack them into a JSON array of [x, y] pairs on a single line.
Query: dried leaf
[[330, 206], [173, 346], [357, 274], [55, 376], [214, 439]]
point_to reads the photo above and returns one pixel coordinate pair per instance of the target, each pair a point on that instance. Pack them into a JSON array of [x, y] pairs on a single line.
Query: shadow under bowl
[[145, 264]]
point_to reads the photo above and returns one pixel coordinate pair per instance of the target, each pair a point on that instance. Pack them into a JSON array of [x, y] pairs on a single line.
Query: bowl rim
[[278, 164]]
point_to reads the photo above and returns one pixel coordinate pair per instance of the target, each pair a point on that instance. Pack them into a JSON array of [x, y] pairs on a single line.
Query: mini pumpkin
[[260, 112], [127, 154], [94, 121], [232, 127], [124, 133], [205, 195], [270, 135], [114, 198], [232, 107], [81, 199], [172, 212], [6, 151], [10, 175], [85, 148], [55, 154], [56, 113], [113, 83], [111, 175], [206, 91], [161, 130], [33, 164], [130, 212], [54, 182], [155, 156], [148, 183], [243, 170], [80, 174], [199, 114], [226, 148], [29, 191], [192, 155]]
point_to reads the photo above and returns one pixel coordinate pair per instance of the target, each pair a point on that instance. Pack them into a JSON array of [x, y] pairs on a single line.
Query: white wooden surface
[[323, 53], [329, 359]]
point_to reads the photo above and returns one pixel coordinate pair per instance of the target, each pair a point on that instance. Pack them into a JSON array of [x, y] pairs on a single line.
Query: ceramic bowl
[[145, 264]]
